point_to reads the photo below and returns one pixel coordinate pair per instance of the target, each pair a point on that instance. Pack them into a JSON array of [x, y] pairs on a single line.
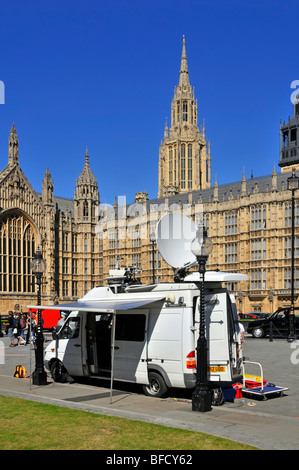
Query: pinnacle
[[184, 73]]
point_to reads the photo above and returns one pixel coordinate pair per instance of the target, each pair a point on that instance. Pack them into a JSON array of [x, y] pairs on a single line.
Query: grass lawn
[[28, 425]]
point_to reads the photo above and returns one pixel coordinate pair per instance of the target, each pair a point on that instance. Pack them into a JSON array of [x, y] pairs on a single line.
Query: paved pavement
[[270, 425]]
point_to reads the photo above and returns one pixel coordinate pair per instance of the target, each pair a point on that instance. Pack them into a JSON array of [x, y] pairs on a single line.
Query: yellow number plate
[[217, 369]]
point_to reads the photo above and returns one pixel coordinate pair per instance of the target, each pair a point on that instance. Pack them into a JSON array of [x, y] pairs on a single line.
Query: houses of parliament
[[249, 221]]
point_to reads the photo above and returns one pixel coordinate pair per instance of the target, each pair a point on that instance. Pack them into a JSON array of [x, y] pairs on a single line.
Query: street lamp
[[153, 240], [38, 267], [202, 247], [293, 185]]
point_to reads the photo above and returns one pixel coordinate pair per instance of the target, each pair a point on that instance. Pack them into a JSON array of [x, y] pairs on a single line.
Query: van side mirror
[[54, 333]]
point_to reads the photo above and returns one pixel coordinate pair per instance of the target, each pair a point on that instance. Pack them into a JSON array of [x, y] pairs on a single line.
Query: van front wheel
[[58, 372], [156, 386]]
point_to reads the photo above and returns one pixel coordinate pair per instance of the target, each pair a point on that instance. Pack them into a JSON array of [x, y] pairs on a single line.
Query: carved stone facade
[[289, 141], [184, 157], [63, 228], [249, 221]]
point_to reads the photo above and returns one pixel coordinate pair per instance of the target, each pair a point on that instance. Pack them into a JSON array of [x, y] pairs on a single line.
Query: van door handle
[[77, 345], [116, 347]]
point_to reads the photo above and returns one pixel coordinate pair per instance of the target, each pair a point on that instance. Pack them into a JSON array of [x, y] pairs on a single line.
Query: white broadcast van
[[147, 334]]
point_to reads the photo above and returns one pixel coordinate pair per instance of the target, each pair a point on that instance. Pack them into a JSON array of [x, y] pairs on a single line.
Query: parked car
[[263, 315], [280, 322], [248, 316]]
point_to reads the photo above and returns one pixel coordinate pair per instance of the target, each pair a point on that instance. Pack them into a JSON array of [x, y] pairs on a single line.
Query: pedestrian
[[28, 330], [242, 331], [31, 328], [21, 329], [34, 325], [10, 328], [16, 325]]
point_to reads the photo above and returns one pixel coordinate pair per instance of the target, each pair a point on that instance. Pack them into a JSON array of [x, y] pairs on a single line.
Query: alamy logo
[[295, 354], [2, 93], [2, 354], [137, 221], [295, 95]]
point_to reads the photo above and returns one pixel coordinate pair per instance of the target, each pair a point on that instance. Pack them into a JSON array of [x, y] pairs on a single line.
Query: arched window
[[185, 111], [170, 166], [183, 166], [85, 209], [189, 166], [17, 248]]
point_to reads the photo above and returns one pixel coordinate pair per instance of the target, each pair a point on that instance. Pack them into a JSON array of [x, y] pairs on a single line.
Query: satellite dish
[[174, 234]]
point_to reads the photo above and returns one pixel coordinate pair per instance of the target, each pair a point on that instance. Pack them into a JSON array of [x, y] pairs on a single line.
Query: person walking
[[16, 326], [242, 332], [31, 328], [10, 328], [21, 329]]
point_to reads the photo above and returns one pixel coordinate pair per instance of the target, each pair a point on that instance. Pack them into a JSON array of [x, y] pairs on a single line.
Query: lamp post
[[38, 267], [153, 240], [293, 185], [202, 247]]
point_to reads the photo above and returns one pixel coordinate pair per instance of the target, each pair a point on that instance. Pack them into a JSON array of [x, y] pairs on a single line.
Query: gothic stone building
[[64, 229], [184, 159], [249, 221]]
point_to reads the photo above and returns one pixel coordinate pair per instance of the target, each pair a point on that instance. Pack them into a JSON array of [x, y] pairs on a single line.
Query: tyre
[[59, 372], [217, 397], [156, 386], [258, 332]]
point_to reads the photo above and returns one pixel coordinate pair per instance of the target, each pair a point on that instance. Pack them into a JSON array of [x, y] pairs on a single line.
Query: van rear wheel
[[59, 372], [156, 386]]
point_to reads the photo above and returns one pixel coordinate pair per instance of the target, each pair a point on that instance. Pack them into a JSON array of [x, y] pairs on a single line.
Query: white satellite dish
[[174, 234]]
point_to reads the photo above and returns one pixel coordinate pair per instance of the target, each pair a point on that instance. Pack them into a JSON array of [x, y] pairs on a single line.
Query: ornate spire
[[48, 189], [243, 183], [216, 189], [13, 147], [274, 179], [184, 155], [184, 73], [166, 131], [86, 157], [86, 193], [87, 176]]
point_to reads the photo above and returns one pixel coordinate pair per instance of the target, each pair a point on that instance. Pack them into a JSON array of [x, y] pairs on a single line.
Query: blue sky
[[103, 74]]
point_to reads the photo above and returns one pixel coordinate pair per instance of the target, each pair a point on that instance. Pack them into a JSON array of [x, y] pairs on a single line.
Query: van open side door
[[130, 346]]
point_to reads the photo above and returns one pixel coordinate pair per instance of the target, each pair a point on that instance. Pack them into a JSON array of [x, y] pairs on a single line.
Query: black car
[[280, 324], [263, 315], [248, 316]]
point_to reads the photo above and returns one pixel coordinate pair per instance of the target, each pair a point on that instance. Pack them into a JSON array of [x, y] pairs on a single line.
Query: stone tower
[[184, 156], [85, 245], [289, 141], [86, 194]]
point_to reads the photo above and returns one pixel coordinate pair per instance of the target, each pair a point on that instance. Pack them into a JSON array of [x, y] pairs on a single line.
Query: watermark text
[[295, 95], [139, 221], [295, 353], [2, 92]]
